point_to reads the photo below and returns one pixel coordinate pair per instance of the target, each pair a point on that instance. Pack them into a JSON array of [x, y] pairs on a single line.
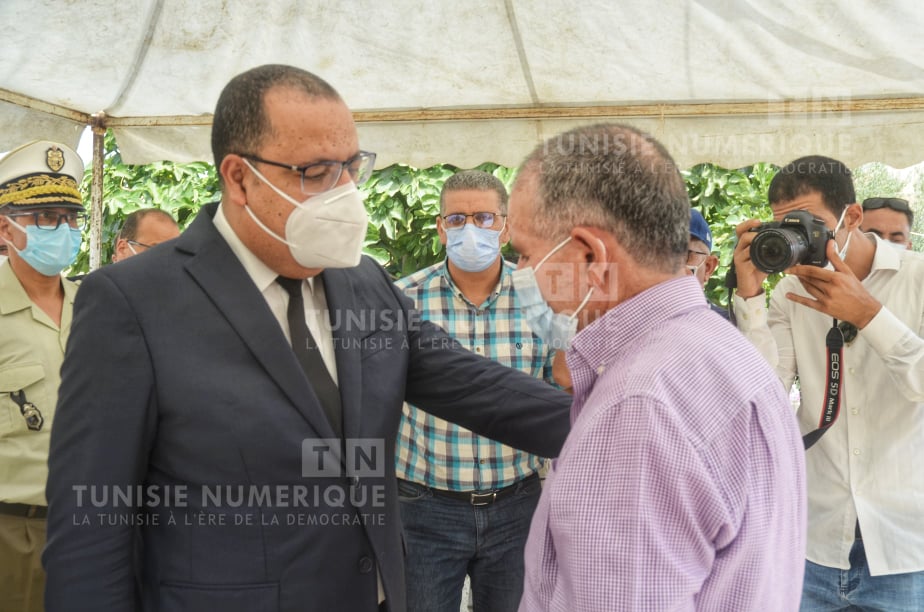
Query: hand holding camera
[[768, 248], [799, 238], [802, 245]]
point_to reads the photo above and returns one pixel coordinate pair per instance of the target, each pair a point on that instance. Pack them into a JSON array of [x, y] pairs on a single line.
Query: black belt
[[856, 532], [485, 498], [24, 510]]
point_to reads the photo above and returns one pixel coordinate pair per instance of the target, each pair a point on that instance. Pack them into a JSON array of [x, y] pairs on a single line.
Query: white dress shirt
[[316, 313], [866, 465]]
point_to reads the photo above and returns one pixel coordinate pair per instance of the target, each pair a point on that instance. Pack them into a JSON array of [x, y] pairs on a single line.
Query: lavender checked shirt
[[682, 483]]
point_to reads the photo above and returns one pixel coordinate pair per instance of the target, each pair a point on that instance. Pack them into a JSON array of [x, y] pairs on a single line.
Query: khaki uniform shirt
[[31, 352]]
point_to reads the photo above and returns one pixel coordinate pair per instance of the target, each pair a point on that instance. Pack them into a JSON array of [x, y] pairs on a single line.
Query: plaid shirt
[[439, 454]]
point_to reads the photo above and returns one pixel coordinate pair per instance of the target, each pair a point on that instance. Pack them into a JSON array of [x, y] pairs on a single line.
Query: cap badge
[[54, 159]]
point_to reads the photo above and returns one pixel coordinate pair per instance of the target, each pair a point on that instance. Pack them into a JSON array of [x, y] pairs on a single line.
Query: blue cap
[[699, 229]]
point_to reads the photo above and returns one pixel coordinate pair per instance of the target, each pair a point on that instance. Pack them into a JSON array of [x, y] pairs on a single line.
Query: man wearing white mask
[[681, 483], [41, 223], [889, 218], [254, 390], [853, 332], [466, 500]]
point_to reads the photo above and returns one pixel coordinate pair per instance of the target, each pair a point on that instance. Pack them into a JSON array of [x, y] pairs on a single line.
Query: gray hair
[[477, 180], [618, 179]]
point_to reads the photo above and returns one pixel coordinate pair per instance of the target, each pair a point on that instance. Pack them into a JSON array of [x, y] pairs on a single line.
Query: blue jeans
[[829, 589], [449, 538]]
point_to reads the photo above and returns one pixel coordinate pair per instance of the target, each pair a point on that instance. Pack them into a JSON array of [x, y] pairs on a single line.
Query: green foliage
[[403, 203], [875, 179], [179, 189], [726, 198], [878, 180]]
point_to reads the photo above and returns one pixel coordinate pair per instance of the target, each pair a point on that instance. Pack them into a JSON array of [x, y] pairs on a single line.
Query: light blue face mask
[[472, 248], [49, 251], [553, 328]]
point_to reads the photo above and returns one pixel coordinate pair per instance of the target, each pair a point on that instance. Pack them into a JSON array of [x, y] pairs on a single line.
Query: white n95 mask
[[325, 231]]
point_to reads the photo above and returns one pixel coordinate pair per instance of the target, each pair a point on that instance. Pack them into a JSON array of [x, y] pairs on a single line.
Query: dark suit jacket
[[178, 379]]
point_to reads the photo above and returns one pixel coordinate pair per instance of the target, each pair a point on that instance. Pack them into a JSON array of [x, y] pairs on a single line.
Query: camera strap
[[834, 342]]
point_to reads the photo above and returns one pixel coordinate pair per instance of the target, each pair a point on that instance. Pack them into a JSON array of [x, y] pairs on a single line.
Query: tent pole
[[98, 124]]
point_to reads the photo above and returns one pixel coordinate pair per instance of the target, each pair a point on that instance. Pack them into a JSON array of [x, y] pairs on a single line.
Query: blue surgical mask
[[49, 251], [472, 248], [553, 328]]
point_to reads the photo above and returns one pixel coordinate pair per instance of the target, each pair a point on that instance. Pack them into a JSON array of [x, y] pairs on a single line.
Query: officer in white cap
[[41, 222]]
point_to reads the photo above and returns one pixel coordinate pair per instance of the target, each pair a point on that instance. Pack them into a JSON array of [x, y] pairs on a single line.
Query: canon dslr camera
[[799, 238]]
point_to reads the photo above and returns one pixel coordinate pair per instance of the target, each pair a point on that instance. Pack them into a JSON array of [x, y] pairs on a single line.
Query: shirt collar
[[505, 282], [13, 296], [602, 342], [262, 275]]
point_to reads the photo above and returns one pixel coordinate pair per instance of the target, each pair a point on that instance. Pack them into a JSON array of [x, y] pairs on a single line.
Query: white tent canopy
[[468, 81]]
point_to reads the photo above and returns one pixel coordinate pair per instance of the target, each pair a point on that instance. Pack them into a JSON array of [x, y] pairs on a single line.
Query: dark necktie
[[309, 356]]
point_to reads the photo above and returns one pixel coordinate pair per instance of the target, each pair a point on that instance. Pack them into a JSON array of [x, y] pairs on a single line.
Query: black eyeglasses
[[484, 220], [897, 204], [50, 220], [696, 258], [323, 175], [139, 244]]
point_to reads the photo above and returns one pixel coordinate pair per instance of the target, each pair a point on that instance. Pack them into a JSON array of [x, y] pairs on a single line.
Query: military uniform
[[35, 177], [31, 352]]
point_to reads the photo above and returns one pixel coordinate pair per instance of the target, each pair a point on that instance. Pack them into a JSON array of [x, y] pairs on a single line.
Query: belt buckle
[[483, 499]]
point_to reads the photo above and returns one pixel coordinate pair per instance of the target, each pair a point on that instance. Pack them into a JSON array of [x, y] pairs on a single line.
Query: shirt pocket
[[25, 377]]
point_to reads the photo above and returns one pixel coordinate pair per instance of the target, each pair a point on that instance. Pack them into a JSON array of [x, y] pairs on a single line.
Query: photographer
[[860, 474]]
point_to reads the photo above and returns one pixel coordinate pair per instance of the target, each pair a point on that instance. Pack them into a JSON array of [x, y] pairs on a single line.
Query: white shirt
[[316, 313], [868, 464]]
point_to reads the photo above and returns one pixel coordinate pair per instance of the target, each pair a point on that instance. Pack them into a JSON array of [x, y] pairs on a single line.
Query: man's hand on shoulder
[[837, 292]]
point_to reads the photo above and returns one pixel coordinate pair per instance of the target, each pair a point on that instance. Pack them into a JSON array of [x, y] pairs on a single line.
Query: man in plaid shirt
[[466, 500]]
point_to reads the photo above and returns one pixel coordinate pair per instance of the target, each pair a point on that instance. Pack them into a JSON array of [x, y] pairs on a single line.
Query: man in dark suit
[[199, 461]]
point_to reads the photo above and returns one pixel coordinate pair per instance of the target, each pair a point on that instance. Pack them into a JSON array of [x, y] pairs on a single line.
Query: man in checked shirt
[[466, 500]]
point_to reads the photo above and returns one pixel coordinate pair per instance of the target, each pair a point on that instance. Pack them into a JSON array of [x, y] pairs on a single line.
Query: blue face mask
[[553, 328], [49, 251], [472, 248]]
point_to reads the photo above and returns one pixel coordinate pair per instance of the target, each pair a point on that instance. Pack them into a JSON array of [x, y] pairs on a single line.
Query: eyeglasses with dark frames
[[320, 176], [50, 220], [139, 244], [484, 220], [696, 258]]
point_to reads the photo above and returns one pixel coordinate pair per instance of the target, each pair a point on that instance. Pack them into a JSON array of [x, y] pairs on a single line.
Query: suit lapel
[[218, 272], [340, 299]]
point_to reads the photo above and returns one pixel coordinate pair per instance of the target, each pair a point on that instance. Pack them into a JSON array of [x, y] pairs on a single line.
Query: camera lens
[[775, 249]]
